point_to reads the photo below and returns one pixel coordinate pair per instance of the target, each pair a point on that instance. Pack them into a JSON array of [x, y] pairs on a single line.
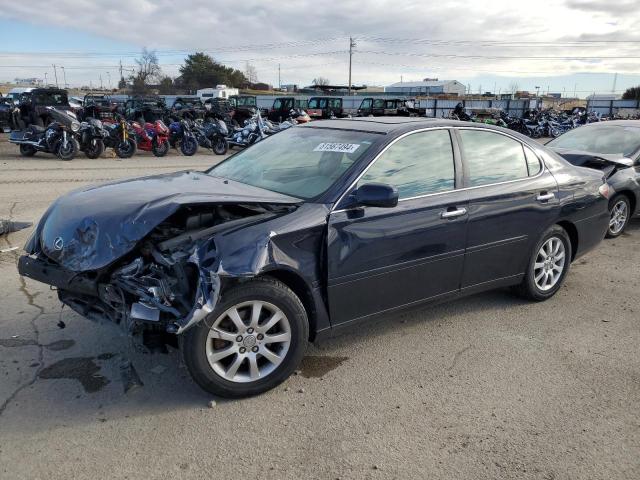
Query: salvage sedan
[[320, 227], [613, 148]]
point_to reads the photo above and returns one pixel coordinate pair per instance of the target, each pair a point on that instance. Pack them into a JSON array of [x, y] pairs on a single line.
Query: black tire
[[189, 146], [528, 288], [160, 149], [94, 151], [27, 150], [622, 201], [70, 152], [220, 146], [264, 289], [126, 149]]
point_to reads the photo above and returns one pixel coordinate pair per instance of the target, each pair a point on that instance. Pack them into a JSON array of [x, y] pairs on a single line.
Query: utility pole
[[100, 76], [46, 83], [279, 82], [121, 77], [64, 75], [352, 44], [615, 80], [56, 74], [109, 77]]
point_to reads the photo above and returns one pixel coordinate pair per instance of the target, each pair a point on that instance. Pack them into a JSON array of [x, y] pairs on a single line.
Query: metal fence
[[612, 107]]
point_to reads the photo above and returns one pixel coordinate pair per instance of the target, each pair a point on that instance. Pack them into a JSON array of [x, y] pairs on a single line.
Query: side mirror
[[376, 195]]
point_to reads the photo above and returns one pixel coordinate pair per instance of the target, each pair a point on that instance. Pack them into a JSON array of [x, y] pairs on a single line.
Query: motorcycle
[[57, 138], [212, 134], [152, 137], [252, 132], [120, 137], [91, 137], [181, 134]]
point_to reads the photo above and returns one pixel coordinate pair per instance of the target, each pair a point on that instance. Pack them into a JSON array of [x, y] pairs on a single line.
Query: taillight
[[604, 190]]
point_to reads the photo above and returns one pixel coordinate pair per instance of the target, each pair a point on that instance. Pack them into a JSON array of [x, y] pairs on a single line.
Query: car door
[[380, 259], [512, 201]]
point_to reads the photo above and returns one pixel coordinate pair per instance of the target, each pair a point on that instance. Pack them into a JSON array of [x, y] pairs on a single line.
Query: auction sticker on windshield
[[337, 147]]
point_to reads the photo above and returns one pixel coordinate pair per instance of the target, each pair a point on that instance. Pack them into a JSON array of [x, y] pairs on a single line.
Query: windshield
[[301, 162], [605, 139], [51, 98]]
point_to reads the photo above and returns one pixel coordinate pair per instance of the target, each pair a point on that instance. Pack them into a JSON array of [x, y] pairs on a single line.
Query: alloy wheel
[[549, 264], [619, 214], [248, 341]]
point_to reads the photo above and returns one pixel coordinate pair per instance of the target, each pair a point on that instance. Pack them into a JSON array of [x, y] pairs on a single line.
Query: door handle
[[448, 214], [543, 197]]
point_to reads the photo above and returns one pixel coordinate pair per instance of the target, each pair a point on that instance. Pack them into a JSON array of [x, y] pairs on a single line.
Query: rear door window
[[492, 158]]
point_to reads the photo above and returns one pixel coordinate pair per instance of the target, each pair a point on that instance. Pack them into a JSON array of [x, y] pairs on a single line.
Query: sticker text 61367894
[[337, 147]]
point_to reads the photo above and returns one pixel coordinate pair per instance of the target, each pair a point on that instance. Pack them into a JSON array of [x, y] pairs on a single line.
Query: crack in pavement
[[457, 356], [31, 302]]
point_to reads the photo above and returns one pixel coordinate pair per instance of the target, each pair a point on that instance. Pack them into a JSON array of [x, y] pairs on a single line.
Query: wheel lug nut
[[242, 349], [260, 336], [254, 349], [239, 338], [250, 330]]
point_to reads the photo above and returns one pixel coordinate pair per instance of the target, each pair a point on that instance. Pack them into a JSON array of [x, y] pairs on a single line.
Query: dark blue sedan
[[317, 228]]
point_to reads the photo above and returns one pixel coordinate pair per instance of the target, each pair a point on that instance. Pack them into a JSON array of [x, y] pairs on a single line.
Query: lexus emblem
[[58, 243]]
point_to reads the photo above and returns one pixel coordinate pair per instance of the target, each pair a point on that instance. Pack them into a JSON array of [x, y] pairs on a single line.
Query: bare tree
[[320, 81], [513, 87], [251, 73], [148, 70]]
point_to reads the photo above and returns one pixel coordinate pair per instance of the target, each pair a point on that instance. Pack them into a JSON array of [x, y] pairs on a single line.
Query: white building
[[221, 91], [428, 86]]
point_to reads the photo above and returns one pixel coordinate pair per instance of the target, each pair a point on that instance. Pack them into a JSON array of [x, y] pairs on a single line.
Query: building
[[29, 82], [428, 86], [221, 91], [604, 96]]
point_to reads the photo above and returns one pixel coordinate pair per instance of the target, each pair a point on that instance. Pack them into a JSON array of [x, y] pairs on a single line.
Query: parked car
[[325, 107], [317, 228], [612, 147]]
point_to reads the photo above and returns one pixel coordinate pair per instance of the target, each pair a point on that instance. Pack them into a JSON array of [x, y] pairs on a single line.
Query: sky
[[559, 45]]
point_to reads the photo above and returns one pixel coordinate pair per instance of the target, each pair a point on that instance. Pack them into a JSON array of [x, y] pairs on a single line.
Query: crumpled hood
[[89, 228], [579, 157]]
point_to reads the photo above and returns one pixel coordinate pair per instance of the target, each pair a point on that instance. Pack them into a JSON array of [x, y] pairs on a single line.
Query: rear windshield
[[300, 162], [605, 139], [51, 98]]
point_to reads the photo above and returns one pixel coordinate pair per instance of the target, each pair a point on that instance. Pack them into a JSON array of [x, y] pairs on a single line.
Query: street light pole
[[55, 72], [64, 74], [352, 44]]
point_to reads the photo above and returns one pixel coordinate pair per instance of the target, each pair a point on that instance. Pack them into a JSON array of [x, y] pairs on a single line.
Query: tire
[[530, 287], [198, 347], [70, 152], [220, 146], [620, 208], [27, 150], [189, 146], [160, 149], [94, 150], [126, 149]]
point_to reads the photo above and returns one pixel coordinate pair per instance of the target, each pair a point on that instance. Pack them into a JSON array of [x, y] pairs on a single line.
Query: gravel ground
[[487, 387]]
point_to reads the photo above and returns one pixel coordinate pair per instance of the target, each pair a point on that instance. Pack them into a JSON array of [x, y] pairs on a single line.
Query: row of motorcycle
[[534, 123], [65, 136]]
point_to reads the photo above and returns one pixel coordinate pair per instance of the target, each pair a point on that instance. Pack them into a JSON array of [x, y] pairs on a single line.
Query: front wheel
[[220, 146], [548, 266], [69, 151], [160, 149], [126, 149], [620, 209], [253, 340], [188, 146], [95, 149]]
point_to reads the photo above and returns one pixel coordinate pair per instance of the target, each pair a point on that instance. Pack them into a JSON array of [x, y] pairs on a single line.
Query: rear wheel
[[27, 150], [160, 149], [253, 340], [126, 149], [548, 266], [189, 146], [620, 210]]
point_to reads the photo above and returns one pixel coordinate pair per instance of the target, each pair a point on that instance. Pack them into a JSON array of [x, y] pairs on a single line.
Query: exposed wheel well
[[300, 288], [572, 231]]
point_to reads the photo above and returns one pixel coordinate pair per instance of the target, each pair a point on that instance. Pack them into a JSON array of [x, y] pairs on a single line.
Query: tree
[[251, 73], [200, 70], [513, 87], [166, 86], [147, 72], [122, 84], [632, 93], [320, 81]]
